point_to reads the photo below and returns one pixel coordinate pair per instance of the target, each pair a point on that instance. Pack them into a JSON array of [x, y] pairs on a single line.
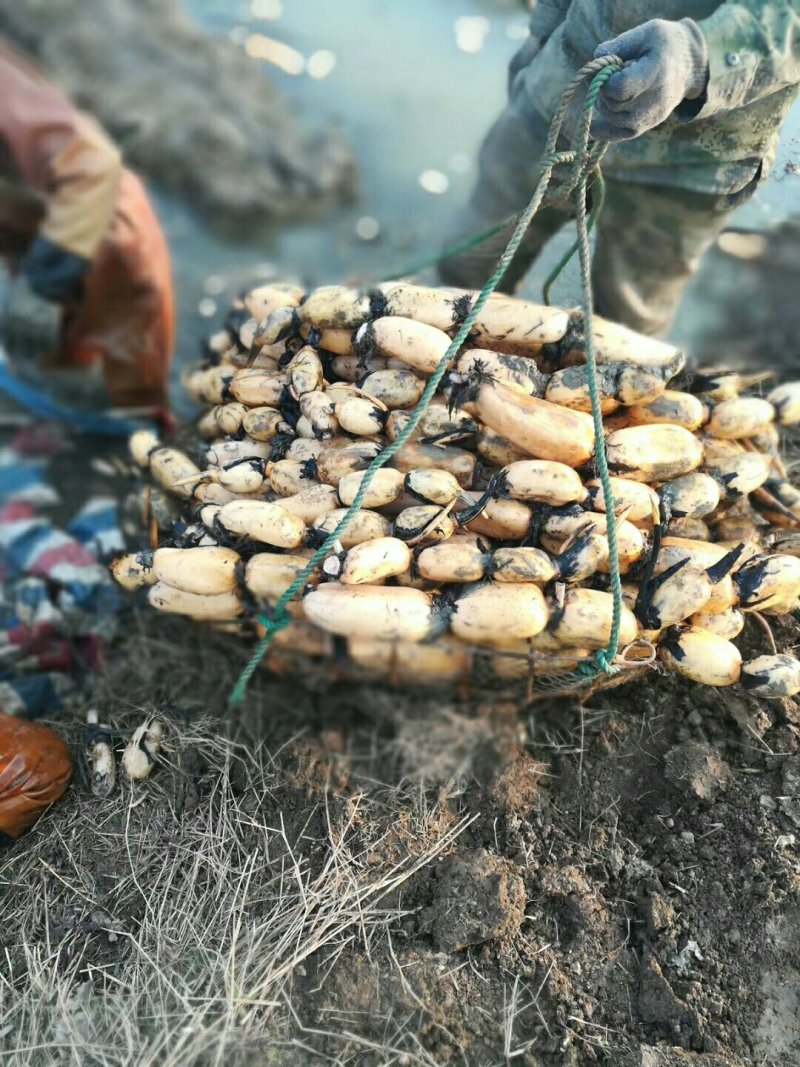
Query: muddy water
[[407, 99], [410, 100]]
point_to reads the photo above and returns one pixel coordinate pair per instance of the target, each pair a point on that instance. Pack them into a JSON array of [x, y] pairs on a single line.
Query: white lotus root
[[485, 537]]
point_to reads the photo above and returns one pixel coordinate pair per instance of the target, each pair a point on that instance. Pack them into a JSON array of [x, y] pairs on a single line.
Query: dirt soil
[[615, 884]]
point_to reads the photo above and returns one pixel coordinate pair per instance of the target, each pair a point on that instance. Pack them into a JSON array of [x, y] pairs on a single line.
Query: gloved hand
[[524, 55], [666, 64], [52, 272]]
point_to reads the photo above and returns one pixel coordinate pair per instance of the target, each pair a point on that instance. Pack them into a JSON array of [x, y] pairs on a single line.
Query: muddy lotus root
[[486, 536]]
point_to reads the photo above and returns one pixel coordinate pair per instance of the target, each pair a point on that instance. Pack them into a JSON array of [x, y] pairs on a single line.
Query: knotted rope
[[583, 163]]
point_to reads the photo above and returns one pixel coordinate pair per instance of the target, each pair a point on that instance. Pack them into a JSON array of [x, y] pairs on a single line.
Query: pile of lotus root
[[484, 538]]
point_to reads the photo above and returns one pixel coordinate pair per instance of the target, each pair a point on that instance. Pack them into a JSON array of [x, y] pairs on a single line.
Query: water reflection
[[471, 32], [278, 54]]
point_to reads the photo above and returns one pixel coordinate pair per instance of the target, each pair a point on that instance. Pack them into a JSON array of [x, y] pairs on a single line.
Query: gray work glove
[[525, 54], [666, 64], [53, 272]]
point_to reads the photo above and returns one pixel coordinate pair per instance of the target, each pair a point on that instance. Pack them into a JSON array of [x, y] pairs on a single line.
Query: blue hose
[[40, 404]]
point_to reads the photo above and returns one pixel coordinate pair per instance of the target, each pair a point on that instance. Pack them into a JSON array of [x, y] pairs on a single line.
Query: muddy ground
[[553, 886]]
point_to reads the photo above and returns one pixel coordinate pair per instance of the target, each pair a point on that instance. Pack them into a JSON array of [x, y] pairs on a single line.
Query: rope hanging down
[[583, 162]]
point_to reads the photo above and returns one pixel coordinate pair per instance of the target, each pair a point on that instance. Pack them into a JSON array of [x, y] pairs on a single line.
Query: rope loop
[[605, 664], [583, 159], [275, 621]]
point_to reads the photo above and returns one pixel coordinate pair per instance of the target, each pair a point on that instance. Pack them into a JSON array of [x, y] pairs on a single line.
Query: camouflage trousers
[[649, 243], [650, 236]]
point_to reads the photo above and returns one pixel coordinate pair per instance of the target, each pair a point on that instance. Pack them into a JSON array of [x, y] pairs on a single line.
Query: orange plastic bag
[[35, 769]]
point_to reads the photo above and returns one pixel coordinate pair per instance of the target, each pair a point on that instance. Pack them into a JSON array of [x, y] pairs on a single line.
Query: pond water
[[407, 100], [413, 86]]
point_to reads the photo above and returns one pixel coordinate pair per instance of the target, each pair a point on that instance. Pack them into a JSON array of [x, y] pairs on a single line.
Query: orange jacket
[[62, 178], [126, 317]]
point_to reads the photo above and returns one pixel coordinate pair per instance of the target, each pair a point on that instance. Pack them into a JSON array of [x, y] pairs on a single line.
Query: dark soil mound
[[189, 109]]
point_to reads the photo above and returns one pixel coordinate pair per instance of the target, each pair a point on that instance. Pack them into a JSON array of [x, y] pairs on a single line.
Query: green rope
[[597, 206], [604, 659], [464, 245], [583, 162]]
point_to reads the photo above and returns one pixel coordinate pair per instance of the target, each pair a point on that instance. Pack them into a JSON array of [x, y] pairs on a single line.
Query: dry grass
[[273, 895], [180, 922], [262, 898], [146, 934]]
